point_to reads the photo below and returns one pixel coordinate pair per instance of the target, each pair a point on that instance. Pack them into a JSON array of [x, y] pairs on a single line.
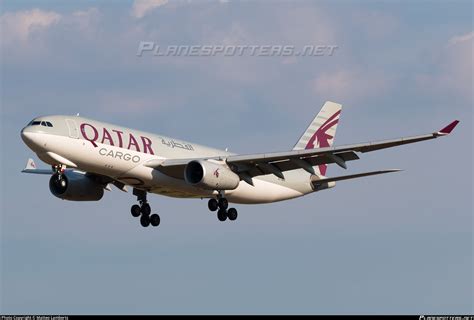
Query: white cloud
[[120, 102], [142, 7], [22, 26], [462, 38], [85, 19], [375, 24], [455, 66], [32, 35], [350, 85], [19, 26]]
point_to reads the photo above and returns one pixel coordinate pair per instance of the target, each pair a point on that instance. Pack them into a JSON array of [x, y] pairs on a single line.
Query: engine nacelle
[[75, 186], [210, 176]]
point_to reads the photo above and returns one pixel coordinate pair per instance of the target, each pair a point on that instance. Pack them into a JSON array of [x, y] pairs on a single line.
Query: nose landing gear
[[58, 181], [58, 171]]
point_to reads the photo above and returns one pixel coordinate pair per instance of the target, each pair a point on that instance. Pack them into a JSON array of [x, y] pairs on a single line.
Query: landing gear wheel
[[213, 205], [146, 209], [223, 203], [232, 214], [222, 215], [135, 210], [145, 221], [155, 220]]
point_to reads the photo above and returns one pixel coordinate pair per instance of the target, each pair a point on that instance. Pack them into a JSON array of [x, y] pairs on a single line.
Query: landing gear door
[[71, 125]]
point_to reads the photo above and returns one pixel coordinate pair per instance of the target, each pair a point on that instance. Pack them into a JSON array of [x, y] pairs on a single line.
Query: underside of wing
[[276, 163], [262, 166], [257, 165]]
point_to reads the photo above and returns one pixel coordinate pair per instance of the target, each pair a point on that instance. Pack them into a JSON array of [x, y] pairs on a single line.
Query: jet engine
[[75, 186], [211, 176]]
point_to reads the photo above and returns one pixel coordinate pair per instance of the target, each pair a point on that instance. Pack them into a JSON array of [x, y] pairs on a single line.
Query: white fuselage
[[121, 154]]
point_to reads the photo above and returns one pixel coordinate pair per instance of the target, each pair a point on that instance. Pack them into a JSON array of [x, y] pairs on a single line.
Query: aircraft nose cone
[[23, 135], [28, 138]]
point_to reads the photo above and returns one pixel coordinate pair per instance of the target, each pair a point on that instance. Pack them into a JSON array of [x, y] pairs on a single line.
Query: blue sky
[[400, 243]]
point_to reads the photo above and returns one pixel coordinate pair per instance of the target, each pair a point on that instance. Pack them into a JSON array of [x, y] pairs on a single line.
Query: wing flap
[[292, 162]]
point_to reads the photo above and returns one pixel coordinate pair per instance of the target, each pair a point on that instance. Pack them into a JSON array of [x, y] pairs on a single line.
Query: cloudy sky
[[400, 243]]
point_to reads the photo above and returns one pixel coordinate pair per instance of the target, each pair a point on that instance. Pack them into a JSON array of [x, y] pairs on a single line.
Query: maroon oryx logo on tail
[[321, 138]]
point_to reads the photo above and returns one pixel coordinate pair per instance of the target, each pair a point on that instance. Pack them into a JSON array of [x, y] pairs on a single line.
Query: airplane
[[88, 157]]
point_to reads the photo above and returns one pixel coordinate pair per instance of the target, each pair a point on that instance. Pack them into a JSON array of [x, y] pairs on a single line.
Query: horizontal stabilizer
[[316, 181], [31, 168]]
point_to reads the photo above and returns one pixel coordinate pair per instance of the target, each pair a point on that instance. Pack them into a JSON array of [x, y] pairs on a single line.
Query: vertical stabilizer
[[322, 130]]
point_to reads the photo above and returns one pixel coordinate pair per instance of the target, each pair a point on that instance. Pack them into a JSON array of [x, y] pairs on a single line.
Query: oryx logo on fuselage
[[321, 138], [117, 138]]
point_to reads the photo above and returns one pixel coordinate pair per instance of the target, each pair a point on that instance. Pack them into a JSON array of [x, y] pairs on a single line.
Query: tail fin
[[321, 131]]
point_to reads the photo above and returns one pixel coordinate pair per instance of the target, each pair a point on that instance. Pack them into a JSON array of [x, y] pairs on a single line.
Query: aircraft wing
[[248, 166], [284, 161]]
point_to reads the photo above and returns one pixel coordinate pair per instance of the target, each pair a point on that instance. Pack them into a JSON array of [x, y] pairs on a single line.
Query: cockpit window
[[40, 123]]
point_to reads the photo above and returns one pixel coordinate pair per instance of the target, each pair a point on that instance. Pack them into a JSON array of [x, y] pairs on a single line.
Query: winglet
[[450, 127]]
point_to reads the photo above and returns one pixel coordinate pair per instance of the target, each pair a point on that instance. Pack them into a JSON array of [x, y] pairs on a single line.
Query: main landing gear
[[144, 210], [221, 204]]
